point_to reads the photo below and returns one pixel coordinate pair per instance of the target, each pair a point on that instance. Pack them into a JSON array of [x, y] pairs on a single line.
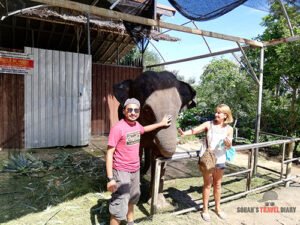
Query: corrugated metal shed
[[58, 99]]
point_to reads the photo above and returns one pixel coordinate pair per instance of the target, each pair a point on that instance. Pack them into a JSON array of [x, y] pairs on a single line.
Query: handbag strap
[[211, 134]]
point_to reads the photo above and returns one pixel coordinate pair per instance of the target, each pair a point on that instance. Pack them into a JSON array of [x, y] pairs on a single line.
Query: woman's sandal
[[221, 215], [205, 216]]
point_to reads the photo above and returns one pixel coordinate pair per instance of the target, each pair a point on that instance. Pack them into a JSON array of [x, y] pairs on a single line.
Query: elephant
[[159, 93]]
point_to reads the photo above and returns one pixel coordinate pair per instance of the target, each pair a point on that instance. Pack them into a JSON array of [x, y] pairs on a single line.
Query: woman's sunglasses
[[130, 110]]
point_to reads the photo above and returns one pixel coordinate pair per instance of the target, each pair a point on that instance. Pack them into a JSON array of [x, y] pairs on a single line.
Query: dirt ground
[[183, 184]]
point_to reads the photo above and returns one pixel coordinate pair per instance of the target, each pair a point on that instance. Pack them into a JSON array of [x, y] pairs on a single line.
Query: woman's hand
[[181, 132], [228, 142]]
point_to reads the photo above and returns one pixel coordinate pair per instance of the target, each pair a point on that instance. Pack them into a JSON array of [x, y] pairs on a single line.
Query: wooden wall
[[11, 111], [104, 104]]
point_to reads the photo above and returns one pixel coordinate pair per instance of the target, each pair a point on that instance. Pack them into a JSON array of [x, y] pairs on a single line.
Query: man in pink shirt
[[123, 162]]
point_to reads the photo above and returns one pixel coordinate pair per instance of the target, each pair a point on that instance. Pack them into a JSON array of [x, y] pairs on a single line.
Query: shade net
[[203, 10], [139, 33]]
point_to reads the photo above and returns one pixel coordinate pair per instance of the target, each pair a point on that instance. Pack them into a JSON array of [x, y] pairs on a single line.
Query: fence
[[287, 145]]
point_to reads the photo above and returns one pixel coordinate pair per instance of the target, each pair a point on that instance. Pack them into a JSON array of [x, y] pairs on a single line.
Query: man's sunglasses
[[130, 110]]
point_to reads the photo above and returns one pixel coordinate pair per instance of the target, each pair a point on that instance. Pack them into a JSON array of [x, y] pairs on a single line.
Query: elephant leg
[[147, 159]]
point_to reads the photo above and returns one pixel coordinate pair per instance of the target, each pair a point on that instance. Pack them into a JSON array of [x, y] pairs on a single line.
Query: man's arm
[[166, 121], [111, 185]]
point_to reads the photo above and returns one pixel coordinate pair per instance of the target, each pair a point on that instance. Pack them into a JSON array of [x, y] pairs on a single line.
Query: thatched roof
[[66, 30]]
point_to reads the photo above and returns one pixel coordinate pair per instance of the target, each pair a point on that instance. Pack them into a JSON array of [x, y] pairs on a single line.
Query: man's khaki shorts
[[128, 191]]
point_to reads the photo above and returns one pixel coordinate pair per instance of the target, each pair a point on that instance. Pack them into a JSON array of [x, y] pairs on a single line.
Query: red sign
[[15, 63]]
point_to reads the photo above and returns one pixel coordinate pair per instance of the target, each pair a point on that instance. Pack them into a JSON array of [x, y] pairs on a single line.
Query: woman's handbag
[[207, 161]]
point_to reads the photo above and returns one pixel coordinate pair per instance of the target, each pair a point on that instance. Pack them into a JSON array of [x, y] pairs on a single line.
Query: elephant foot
[[161, 202]]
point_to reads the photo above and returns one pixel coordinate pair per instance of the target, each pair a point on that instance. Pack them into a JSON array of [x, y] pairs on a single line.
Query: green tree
[[281, 73], [223, 82], [149, 57]]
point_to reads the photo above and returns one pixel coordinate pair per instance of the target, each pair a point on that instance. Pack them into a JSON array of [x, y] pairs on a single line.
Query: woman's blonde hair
[[225, 109]]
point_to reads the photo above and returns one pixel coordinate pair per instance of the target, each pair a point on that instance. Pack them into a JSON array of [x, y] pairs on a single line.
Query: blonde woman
[[219, 139]]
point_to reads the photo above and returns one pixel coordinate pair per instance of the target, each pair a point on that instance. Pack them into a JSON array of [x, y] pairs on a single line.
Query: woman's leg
[[207, 181], [217, 181]]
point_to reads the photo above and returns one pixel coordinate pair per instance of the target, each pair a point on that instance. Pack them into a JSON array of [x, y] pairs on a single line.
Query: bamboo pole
[[141, 20]]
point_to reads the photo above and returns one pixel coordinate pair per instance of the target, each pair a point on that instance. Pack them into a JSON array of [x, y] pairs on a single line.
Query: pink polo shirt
[[125, 138]]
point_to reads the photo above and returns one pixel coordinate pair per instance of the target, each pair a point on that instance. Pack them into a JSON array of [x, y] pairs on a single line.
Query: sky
[[242, 21]]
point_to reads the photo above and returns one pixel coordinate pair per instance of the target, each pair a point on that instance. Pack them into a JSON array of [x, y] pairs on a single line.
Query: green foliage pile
[[23, 163]]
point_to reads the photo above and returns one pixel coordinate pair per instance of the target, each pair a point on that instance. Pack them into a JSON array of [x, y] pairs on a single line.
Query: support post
[[155, 187], [282, 160], [258, 114], [290, 149], [250, 164]]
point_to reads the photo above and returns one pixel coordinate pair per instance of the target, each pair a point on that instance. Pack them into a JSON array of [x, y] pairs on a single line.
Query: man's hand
[[112, 186], [166, 121]]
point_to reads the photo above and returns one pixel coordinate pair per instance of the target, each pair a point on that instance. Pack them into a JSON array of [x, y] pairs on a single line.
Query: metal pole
[[287, 17], [258, 114], [196, 57], [114, 5], [254, 77], [89, 35]]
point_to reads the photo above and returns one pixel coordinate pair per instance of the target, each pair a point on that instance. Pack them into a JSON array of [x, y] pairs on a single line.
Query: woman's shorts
[[220, 166], [128, 191]]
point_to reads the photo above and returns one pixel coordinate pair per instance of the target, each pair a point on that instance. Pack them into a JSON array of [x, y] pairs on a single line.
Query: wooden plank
[[281, 40], [141, 20], [11, 111]]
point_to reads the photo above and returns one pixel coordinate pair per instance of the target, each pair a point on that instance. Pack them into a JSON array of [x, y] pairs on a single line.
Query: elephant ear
[[187, 94], [121, 91]]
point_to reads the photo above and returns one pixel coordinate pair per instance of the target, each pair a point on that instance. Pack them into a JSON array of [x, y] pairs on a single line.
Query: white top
[[215, 139]]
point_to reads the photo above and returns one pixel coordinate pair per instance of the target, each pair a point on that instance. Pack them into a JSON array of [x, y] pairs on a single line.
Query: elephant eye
[[147, 114]]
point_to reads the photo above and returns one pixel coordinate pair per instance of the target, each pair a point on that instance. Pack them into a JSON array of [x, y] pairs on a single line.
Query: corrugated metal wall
[[11, 111], [58, 99], [104, 104]]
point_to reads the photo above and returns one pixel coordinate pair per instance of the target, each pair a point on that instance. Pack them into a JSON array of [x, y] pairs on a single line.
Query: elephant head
[[159, 93]]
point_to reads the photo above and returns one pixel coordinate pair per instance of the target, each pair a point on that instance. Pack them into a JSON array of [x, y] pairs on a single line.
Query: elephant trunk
[[166, 140]]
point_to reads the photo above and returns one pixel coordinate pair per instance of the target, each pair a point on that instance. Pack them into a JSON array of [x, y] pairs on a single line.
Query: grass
[[71, 190]]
